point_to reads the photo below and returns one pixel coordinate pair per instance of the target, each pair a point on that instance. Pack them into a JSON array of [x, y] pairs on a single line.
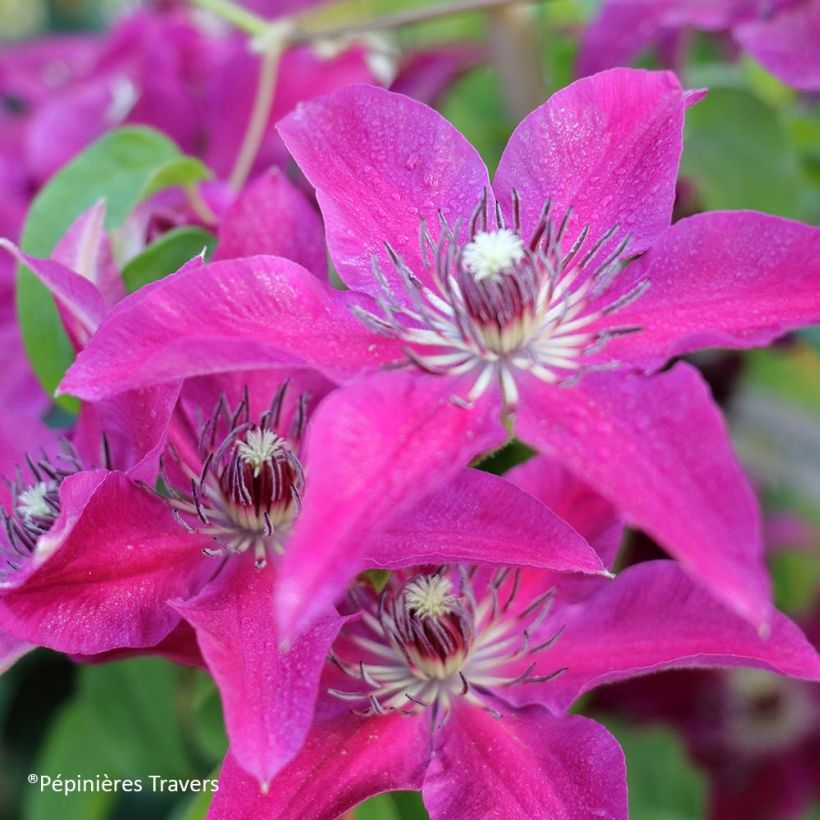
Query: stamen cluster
[[443, 635], [247, 490], [35, 504], [500, 304]]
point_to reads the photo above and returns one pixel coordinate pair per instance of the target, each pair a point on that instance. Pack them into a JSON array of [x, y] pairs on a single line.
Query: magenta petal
[[345, 760], [787, 43], [179, 646], [21, 435], [272, 216], [268, 695], [380, 162], [68, 122], [607, 147], [482, 518], [99, 579], [577, 503], [374, 449], [81, 305], [652, 617], [721, 279], [232, 315], [658, 449], [132, 426], [86, 250], [526, 764]]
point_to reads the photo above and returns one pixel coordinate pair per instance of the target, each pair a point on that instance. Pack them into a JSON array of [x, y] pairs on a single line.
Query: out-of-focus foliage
[[169, 253], [123, 167], [130, 719], [663, 785]]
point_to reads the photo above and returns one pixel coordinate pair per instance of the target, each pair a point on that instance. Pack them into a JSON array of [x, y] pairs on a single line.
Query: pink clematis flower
[[79, 540], [515, 296], [156, 68], [242, 480], [238, 470], [782, 35], [455, 680], [81, 535]]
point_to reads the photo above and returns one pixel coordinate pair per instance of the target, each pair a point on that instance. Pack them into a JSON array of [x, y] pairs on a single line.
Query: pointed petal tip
[[264, 786], [693, 96]]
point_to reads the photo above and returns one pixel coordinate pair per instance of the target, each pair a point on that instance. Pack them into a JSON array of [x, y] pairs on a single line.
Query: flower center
[[258, 448], [499, 305], [430, 596], [247, 490], [261, 482], [489, 255], [431, 627], [38, 501], [35, 505], [429, 640]]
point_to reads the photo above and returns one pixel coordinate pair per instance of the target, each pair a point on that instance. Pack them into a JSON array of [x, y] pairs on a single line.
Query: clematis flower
[[455, 680], [63, 521], [781, 35], [78, 540], [238, 478], [80, 534], [517, 295]]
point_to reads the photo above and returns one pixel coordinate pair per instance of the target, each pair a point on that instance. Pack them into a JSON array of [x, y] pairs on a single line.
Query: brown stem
[[516, 58]]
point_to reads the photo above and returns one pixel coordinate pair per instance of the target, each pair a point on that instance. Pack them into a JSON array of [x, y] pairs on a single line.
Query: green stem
[[255, 25], [404, 18], [235, 15], [262, 106]]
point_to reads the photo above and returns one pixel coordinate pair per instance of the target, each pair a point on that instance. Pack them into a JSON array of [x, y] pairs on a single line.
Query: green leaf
[[122, 723], [409, 805], [208, 725], [739, 155], [169, 253], [381, 807], [476, 107], [123, 167], [196, 808], [663, 783], [69, 752], [796, 579], [134, 716]]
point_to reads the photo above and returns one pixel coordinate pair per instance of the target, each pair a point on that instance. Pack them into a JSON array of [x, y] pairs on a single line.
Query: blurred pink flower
[[781, 34], [756, 735]]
